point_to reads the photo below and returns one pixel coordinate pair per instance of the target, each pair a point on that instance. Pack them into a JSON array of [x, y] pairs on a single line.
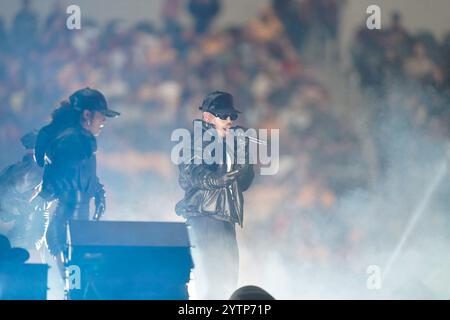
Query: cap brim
[[110, 113], [228, 111]]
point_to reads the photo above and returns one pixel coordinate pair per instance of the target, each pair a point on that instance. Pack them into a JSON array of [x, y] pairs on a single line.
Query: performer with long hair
[[66, 150]]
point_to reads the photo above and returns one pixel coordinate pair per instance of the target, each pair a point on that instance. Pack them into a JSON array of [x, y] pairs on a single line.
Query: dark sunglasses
[[233, 116]]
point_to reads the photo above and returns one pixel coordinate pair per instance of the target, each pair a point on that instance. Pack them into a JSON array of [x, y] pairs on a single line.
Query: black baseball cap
[[219, 103], [91, 99]]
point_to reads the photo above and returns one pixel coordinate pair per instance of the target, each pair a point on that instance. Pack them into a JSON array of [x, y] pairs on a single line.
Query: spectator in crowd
[[25, 28], [170, 13], [203, 12], [3, 36], [292, 15], [419, 66]]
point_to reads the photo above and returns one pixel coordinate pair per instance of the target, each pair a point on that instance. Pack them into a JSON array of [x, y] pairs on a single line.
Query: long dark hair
[[64, 117]]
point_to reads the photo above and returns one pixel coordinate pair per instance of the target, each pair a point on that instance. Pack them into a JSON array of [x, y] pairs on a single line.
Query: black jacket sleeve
[[246, 176], [197, 176]]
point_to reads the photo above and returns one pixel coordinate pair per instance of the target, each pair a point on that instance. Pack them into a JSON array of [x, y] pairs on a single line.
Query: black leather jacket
[[202, 198], [70, 174], [18, 183]]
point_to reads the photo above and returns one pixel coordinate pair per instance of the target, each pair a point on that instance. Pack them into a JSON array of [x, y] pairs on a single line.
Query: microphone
[[241, 134]]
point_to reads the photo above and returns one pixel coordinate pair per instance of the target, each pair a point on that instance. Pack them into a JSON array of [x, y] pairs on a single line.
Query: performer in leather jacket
[[66, 149], [213, 202], [18, 204]]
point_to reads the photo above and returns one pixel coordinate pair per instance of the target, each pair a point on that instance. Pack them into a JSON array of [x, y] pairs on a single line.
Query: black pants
[[56, 234], [216, 257]]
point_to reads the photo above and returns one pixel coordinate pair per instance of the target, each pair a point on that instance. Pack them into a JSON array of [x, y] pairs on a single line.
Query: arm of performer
[[100, 201], [246, 172], [245, 176], [200, 177]]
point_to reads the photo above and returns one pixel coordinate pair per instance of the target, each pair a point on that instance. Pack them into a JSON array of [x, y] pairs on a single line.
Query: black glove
[[100, 205], [223, 180]]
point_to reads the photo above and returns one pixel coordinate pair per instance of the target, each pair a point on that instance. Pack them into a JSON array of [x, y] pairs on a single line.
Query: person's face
[[95, 121], [222, 126], [419, 50]]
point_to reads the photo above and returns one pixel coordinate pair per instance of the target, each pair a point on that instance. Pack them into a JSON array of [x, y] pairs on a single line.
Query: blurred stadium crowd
[[405, 70], [157, 76]]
